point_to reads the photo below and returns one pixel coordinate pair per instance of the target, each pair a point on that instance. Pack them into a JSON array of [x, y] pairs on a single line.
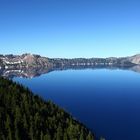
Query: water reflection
[[35, 72]]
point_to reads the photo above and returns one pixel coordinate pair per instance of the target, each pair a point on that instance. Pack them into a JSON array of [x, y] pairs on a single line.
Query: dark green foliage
[[24, 116]]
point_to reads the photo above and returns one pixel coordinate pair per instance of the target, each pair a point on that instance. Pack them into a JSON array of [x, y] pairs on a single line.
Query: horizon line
[[69, 57]]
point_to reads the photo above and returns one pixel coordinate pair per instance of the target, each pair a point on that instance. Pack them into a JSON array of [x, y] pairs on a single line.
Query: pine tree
[[41, 136], [65, 136], [25, 122], [59, 134], [89, 137], [8, 128], [47, 137], [25, 116], [81, 135], [31, 132]]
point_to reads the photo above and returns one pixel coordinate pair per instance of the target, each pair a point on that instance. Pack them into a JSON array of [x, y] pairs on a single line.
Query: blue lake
[[106, 101]]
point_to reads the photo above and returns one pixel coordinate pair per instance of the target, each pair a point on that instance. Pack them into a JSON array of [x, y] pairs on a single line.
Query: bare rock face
[[135, 59], [29, 59], [35, 61], [25, 60]]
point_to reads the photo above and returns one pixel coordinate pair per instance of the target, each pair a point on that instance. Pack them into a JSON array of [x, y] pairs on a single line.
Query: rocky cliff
[[134, 59], [28, 65], [36, 61], [24, 61]]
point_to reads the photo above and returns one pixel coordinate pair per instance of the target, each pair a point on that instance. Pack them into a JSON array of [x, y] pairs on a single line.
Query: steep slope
[[135, 59], [35, 60], [25, 60], [24, 116]]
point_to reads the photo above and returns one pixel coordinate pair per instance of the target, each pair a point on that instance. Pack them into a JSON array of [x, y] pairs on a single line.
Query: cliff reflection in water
[[35, 72]]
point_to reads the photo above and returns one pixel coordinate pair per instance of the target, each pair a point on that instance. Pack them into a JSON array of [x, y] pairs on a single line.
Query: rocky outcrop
[[23, 61], [134, 59], [30, 60]]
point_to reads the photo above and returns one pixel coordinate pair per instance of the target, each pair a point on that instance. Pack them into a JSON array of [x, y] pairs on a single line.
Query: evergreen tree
[[59, 134], [65, 136], [27, 116], [47, 137], [8, 128]]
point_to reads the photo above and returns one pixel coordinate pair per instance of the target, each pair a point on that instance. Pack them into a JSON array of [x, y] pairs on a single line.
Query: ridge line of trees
[[24, 115]]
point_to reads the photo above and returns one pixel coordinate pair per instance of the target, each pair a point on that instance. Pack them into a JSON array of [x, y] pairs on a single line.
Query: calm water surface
[[106, 101]]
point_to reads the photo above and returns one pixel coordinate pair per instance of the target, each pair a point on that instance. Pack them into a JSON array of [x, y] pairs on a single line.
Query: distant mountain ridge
[[28, 65], [31, 60]]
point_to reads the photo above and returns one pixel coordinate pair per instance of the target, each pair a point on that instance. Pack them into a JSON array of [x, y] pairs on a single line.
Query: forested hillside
[[24, 116]]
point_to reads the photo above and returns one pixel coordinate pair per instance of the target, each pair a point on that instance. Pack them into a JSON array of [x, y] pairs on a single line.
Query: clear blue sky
[[70, 28]]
